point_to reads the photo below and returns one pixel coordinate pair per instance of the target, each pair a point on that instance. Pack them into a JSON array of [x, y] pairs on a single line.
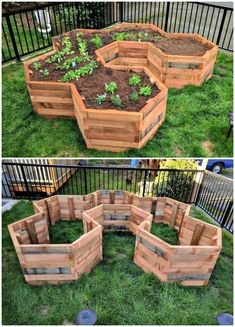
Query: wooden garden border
[[113, 130], [190, 263]]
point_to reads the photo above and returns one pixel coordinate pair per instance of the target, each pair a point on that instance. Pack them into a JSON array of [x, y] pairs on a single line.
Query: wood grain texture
[[190, 263]]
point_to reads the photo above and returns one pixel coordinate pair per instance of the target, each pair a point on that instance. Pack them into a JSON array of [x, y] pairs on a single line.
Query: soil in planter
[[187, 46], [182, 46], [91, 85]]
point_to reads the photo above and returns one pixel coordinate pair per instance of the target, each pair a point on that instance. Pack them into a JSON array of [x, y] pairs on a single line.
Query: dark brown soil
[[91, 85], [182, 47], [187, 46]]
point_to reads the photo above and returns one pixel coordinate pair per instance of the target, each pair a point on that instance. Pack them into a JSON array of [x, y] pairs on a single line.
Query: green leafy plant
[[187, 178], [68, 45], [143, 35], [110, 87], [135, 80], [76, 74], [118, 36], [69, 76], [82, 47], [97, 41], [56, 57], [134, 96], [45, 72], [121, 36], [59, 56], [116, 101], [145, 90], [158, 37], [79, 37], [36, 65], [87, 69], [100, 98], [68, 63]]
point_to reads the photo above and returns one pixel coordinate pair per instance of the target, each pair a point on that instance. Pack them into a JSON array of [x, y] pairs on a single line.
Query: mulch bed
[[91, 85]]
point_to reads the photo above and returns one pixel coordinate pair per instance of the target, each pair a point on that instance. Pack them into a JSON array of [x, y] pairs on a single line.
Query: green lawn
[[119, 291], [196, 122]]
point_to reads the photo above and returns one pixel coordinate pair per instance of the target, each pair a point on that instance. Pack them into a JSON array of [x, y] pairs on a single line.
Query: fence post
[[12, 38], [227, 212], [221, 26], [25, 182], [200, 189], [85, 178], [121, 12], [167, 15], [145, 180]]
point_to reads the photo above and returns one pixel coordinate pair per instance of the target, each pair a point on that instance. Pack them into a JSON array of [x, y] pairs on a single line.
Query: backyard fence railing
[[28, 30], [210, 192], [215, 197]]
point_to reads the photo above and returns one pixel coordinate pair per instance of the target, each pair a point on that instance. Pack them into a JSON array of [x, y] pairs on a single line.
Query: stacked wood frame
[[125, 129], [189, 263]]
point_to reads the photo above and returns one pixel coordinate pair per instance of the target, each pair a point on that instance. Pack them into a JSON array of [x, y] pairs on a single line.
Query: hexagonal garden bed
[[66, 82], [190, 263]]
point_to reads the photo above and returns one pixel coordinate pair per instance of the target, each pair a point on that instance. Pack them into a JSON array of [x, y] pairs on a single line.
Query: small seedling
[[145, 90], [68, 46], [135, 80], [76, 74], [121, 36], [56, 57], [69, 76], [82, 46], [116, 101], [143, 35], [36, 65], [100, 98], [97, 41], [134, 96], [110, 87], [79, 37], [158, 37], [45, 72], [72, 62]]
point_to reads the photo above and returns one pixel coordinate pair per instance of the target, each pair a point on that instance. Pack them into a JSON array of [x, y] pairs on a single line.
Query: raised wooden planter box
[[114, 130], [174, 71], [109, 130], [51, 263], [190, 263], [119, 217]]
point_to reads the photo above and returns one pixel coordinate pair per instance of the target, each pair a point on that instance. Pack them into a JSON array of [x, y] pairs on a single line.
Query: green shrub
[[176, 190]]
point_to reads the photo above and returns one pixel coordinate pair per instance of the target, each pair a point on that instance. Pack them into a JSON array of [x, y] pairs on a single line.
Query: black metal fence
[[30, 30], [33, 181], [215, 197], [212, 193]]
